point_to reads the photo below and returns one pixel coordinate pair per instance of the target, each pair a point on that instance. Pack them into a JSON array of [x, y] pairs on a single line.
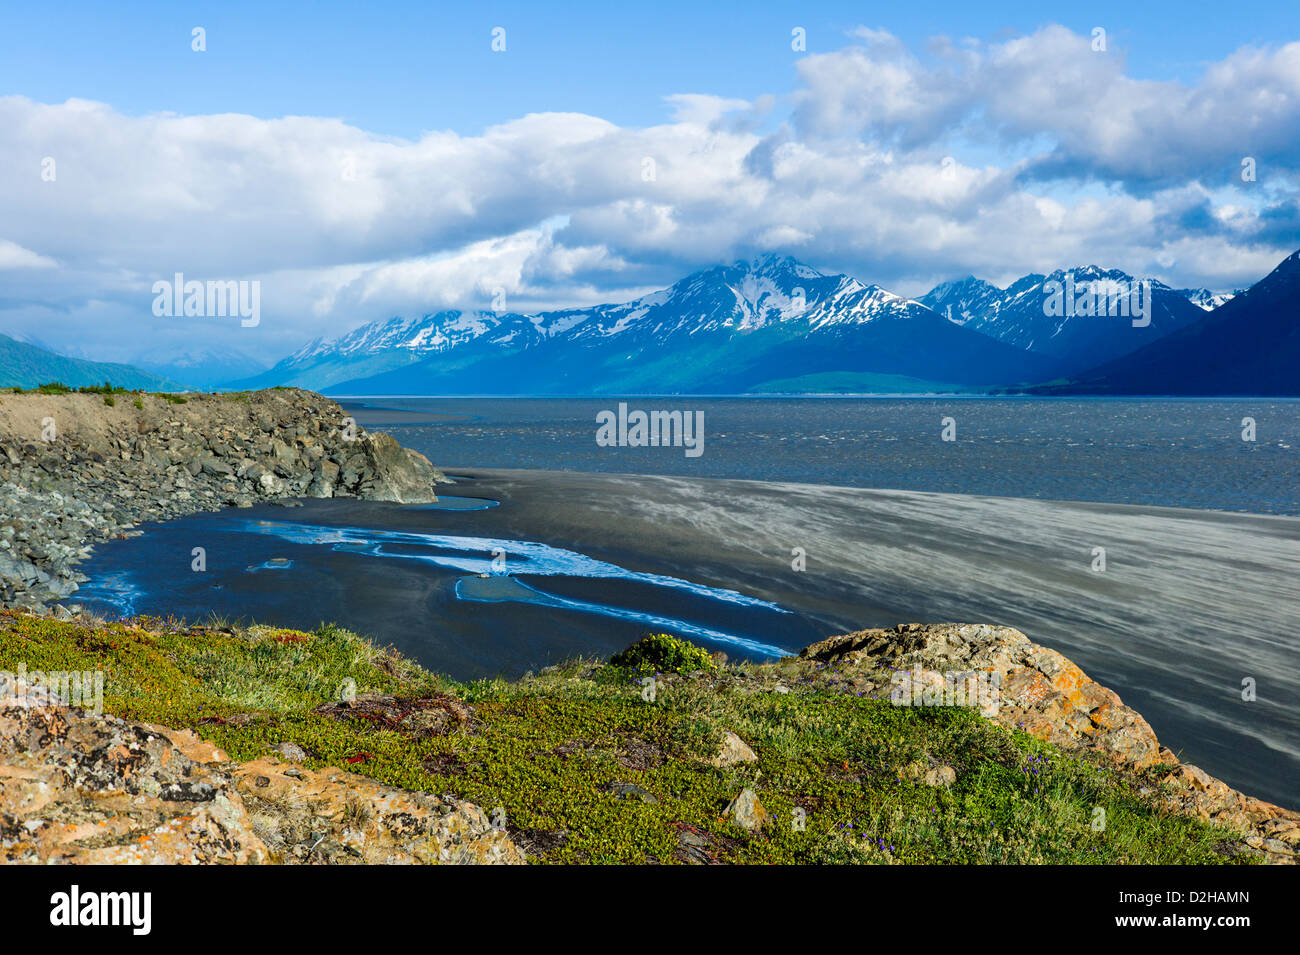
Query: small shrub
[[109, 400], [107, 388], [53, 388], [139, 402], [664, 653]]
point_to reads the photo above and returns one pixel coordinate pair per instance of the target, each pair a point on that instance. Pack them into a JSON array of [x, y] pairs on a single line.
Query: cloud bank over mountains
[[898, 166]]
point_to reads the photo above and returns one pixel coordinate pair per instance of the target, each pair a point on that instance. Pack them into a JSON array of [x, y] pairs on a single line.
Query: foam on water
[[476, 555], [480, 556], [520, 591]]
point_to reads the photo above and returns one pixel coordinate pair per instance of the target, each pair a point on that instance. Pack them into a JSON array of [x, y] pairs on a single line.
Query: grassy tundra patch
[[587, 769]]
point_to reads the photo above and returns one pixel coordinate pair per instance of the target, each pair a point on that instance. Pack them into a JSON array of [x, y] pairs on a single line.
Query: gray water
[[1170, 452]]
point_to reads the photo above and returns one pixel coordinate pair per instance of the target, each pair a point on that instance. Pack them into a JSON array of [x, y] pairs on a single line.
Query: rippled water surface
[[1169, 452]]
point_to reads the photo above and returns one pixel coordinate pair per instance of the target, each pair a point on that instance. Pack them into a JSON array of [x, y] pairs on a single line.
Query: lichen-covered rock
[[732, 751], [1029, 686], [330, 816], [100, 790], [83, 789], [930, 775], [748, 811]]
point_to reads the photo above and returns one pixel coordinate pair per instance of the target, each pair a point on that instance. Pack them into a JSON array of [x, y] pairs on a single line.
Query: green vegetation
[[138, 402], [107, 389], [663, 653], [550, 749]]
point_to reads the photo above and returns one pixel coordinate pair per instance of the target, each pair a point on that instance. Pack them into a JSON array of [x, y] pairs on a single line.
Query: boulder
[[732, 751], [747, 811], [335, 817]]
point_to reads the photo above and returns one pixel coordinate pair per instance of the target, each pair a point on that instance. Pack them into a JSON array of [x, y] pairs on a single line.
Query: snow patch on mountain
[[1205, 299]]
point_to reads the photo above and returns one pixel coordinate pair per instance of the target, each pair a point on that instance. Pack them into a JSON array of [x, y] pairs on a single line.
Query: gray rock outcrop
[[75, 470]]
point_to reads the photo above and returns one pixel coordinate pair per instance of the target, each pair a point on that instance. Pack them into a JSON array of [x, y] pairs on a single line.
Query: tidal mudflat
[[1190, 603]]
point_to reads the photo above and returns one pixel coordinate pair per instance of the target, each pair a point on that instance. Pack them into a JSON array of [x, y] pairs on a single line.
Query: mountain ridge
[[728, 327], [1250, 345], [1021, 314], [24, 365]]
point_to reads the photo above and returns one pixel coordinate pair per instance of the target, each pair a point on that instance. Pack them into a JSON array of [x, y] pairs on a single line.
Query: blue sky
[[361, 161], [404, 68]]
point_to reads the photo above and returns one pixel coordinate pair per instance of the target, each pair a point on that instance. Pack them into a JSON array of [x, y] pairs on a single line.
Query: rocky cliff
[[75, 469]]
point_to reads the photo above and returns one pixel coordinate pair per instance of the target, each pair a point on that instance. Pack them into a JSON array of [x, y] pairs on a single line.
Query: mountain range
[[776, 325], [1016, 315], [771, 324]]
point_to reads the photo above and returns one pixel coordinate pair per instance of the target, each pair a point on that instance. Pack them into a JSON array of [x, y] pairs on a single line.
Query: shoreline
[[1189, 604], [76, 470], [383, 473]]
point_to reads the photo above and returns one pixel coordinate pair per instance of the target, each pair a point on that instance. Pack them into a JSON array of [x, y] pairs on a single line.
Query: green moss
[[548, 750]]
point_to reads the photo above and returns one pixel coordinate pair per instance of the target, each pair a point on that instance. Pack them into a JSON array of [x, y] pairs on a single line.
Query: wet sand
[[1191, 603]]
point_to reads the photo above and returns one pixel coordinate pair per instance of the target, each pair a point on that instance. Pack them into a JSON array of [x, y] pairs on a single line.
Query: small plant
[[139, 402], [53, 388], [110, 400], [664, 653]]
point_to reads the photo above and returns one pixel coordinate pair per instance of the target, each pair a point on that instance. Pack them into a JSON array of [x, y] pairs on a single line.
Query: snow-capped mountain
[[1206, 300], [437, 332], [742, 298], [1250, 345], [1080, 317], [733, 327], [964, 300]]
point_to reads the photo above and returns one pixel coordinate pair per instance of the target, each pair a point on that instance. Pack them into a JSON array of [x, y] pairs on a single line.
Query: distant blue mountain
[[203, 368], [25, 365], [771, 324], [1250, 345], [1018, 315]]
